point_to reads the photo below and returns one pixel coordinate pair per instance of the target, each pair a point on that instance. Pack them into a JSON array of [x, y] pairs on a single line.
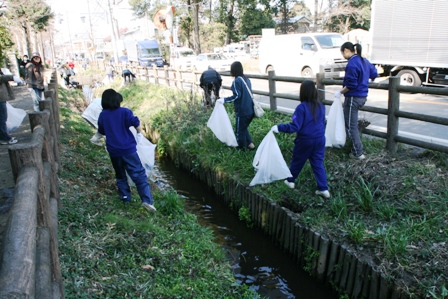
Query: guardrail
[[393, 111], [30, 258]]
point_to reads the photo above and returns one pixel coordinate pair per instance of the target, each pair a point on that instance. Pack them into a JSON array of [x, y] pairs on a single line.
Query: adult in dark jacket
[[355, 90], [35, 78], [243, 104], [210, 79], [6, 94]]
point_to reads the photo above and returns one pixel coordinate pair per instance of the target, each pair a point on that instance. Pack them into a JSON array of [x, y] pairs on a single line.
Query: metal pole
[[114, 40], [91, 32]]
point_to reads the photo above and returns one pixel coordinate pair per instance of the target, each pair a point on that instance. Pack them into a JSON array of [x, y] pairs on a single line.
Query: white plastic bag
[[335, 134], [15, 117], [220, 125], [146, 153], [88, 93], [269, 162], [92, 112]]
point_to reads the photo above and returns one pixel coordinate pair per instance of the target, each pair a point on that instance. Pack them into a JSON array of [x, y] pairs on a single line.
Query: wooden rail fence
[[29, 265]]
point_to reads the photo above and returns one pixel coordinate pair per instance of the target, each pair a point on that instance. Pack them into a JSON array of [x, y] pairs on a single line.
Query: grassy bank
[[390, 208], [108, 250]]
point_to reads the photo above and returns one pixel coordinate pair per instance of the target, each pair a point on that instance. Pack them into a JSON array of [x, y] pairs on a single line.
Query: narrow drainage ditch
[[256, 261]]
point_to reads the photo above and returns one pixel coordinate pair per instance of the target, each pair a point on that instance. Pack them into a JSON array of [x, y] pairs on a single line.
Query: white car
[[217, 61]]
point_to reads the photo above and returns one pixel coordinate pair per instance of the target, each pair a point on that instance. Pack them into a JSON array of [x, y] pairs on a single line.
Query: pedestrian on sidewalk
[[114, 122], [6, 94], [34, 78]]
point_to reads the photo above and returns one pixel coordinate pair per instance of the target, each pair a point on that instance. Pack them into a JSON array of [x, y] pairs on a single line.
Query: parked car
[[217, 61]]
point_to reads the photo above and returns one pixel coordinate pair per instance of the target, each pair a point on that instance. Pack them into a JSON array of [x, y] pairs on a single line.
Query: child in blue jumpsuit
[[308, 122], [114, 122]]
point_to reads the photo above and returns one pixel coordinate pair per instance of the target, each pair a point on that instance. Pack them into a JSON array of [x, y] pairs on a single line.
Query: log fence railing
[[173, 77], [29, 265]]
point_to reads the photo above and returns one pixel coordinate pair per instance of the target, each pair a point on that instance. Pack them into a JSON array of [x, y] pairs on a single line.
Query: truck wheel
[[409, 78], [307, 73]]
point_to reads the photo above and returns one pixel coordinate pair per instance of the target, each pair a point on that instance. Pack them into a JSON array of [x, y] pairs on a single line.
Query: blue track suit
[[244, 109], [121, 145], [309, 143], [357, 74]]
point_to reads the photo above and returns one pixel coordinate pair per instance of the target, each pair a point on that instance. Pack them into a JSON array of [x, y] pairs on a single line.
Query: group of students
[[308, 120]]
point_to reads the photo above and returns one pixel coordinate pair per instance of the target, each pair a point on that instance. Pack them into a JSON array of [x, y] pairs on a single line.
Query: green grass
[[392, 207], [109, 250]]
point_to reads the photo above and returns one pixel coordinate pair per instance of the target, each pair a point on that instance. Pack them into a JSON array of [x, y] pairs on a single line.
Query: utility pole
[[92, 55], [113, 36]]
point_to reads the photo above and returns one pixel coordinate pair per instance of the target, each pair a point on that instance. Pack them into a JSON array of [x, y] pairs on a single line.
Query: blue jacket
[[304, 124], [241, 98], [115, 123], [357, 74]]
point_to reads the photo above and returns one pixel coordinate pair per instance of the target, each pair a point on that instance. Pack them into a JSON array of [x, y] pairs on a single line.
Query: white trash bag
[[88, 93], [92, 112], [335, 135], [220, 125], [146, 153], [269, 163], [15, 117]]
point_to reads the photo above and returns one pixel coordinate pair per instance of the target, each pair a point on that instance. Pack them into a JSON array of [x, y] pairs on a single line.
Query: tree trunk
[[316, 3], [230, 23], [197, 43], [27, 39]]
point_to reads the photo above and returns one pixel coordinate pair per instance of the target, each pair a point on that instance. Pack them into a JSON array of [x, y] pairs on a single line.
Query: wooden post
[[156, 78], [167, 75], [17, 271], [46, 104], [320, 86], [392, 119], [41, 118], [178, 75], [195, 81], [272, 90]]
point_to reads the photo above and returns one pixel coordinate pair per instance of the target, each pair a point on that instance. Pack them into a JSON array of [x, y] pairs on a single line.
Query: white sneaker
[[290, 185], [148, 207], [361, 157], [324, 194]]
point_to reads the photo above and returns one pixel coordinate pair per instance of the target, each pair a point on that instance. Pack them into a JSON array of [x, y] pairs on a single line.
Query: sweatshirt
[[303, 122], [241, 98], [357, 74], [115, 123]]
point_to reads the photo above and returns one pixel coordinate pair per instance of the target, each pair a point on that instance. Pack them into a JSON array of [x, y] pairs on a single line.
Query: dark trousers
[[133, 166], [242, 132], [351, 108], [4, 136], [314, 151]]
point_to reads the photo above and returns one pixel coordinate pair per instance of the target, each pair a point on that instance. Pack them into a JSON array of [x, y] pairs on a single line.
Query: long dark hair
[[308, 93], [354, 48], [110, 99], [236, 69]]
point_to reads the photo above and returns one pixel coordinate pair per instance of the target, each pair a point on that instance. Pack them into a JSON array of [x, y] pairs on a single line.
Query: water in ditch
[[255, 260]]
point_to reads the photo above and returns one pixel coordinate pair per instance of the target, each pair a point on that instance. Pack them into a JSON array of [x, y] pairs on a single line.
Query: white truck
[[301, 55], [409, 39]]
